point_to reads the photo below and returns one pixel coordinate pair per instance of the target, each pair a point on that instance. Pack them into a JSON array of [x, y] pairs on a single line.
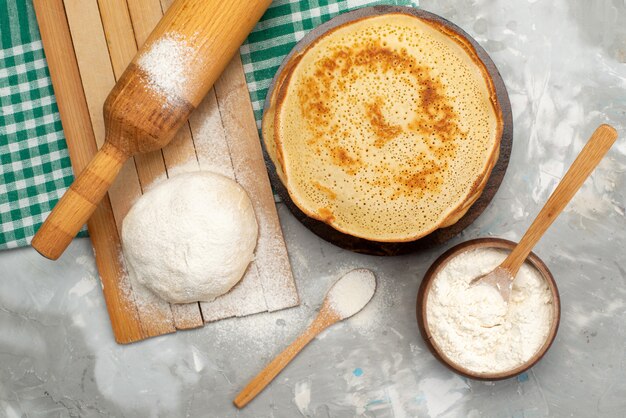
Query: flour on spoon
[[352, 292]]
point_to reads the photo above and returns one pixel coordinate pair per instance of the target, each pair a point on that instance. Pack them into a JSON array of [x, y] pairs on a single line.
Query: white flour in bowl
[[475, 327]]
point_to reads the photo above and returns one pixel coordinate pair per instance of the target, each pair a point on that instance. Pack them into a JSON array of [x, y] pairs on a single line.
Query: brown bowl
[[424, 290]]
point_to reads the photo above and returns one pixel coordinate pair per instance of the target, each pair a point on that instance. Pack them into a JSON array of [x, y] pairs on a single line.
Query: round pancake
[[385, 128]]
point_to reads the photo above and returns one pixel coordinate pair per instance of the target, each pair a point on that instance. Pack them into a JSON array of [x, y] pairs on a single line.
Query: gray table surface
[[564, 65]]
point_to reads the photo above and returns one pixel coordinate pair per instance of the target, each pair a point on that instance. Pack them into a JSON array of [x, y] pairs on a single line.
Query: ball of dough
[[191, 237]]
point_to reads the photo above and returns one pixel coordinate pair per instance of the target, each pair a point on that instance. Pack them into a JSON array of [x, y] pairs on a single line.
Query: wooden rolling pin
[[139, 115]]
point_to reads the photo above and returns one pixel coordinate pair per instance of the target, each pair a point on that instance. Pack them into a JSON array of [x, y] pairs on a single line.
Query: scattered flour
[[441, 394], [352, 292], [302, 396], [165, 64], [376, 317], [265, 333], [475, 327]]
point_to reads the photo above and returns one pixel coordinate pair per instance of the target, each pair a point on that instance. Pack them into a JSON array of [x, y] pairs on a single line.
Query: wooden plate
[[441, 235]]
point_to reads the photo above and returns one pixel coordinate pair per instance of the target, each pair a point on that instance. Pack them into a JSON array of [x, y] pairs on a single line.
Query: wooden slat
[[247, 158], [145, 14], [209, 137], [98, 78], [246, 298], [122, 48], [214, 155], [84, 21], [165, 4], [81, 142], [142, 16], [181, 149]]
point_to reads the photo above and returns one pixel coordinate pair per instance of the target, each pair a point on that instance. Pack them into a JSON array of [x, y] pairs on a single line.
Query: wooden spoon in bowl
[[502, 276]]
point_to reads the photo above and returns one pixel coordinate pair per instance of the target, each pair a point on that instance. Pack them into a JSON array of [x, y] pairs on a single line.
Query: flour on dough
[[191, 237]]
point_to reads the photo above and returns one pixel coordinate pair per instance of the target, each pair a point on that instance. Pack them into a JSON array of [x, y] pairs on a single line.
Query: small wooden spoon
[[342, 301], [595, 149]]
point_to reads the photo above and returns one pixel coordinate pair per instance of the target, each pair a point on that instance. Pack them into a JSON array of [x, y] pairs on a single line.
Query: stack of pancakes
[[385, 128]]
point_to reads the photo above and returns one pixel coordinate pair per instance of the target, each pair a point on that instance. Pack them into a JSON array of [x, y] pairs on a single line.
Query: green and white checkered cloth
[[35, 167], [34, 163]]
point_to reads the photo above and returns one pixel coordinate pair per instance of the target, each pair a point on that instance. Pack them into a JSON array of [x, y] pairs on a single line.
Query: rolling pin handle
[[77, 204]]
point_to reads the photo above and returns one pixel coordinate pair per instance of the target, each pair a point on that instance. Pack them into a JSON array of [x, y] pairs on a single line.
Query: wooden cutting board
[[88, 44]]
